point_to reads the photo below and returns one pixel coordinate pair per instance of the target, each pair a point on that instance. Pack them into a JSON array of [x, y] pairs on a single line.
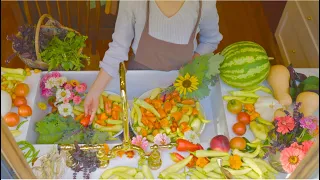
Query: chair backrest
[[74, 14]]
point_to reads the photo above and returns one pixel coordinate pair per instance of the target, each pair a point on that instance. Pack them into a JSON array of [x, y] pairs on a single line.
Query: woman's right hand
[[91, 103]]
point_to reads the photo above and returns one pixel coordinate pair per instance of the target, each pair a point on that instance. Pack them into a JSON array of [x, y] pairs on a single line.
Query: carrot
[[164, 122], [186, 129], [162, 113], [80, 116], [202, 161], [110, 125], [157, 103], [184, 125], [103, 116], [195, 111], [143, 110], [167, 107], [99, 116], [148, 100], [188, 102], [176, 116], [130, 154], [144, 120], [120, 153], [168, 97], [185, 109], [155, 132], [115, 115], [116, 108], [144, 132], [177, 99], [157, 125], [152, 119], [175, 94], [173, 102], [150, 125], [101, 122], [149, 114]]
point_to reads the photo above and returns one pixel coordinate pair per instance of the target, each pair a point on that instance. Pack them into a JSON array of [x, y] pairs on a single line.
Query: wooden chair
[[79, 16]]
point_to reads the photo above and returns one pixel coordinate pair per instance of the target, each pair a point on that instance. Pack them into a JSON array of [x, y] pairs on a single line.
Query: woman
[[164, 38]]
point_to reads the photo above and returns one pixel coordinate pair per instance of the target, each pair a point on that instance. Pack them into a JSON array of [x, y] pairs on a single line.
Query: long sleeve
[[122, 38], [210, 36]]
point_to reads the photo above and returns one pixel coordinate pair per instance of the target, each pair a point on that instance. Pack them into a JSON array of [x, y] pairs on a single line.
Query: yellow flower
[[42, 106], [186, 84], [37, 71], [74, 83]]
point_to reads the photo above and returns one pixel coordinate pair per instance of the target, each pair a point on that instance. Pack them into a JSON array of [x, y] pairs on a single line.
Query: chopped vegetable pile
[[169, 114]]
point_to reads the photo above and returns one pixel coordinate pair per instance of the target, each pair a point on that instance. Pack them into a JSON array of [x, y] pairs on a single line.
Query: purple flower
[[46, 92], [308, 123]]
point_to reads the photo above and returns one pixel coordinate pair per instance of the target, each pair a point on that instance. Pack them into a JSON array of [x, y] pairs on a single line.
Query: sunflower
[[186, 84]]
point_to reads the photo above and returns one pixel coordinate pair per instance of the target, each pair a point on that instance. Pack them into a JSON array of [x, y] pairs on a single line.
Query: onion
[[6, 103]]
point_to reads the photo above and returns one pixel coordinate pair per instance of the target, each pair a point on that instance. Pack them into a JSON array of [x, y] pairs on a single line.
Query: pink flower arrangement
[[68, 86], [140, 141], [161, 139], [285, 124], [291, 157], [309, 123], [81, 88], [77, 100]]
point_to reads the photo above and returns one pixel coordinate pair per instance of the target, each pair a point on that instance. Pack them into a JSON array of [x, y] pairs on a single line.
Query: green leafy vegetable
[[206, 69], [64, 53]]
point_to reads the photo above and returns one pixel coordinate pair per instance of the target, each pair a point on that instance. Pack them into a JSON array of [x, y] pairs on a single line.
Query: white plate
[[148, 93]]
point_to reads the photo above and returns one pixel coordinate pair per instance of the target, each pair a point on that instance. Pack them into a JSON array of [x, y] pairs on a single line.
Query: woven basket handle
[[38, 33]]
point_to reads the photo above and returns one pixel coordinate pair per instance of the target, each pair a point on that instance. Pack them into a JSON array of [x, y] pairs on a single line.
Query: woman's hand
[[91, 103]]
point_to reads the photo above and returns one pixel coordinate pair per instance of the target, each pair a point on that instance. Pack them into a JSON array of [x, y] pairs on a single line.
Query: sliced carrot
[[186, 129], [202, 161], [103, 116], [176, 116], [184, 125], [150, 125], [175, 93], [110, 125], [155, 132], [167, 107], [164, 122], [116, 108], [115, 115], [162, 113], [152, 119], [188, 102], [143, 110], [185, 109], [177, 99], [195, 111], [148, 100], [144, 121], [120, 153], [144, 132], [168, 97], [157, 103], [149, 114], [173, 102], [157, 125], [130, 154], [101, 122]]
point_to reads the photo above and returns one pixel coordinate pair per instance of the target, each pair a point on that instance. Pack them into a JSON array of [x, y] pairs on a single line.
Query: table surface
[[33, 81]]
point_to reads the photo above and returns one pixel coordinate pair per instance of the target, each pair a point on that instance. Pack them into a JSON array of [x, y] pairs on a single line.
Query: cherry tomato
[[234, 106], [12, 119], [238, 143], [20, 100], [21, 89], [243, 117], [24, 111], [239, 128]]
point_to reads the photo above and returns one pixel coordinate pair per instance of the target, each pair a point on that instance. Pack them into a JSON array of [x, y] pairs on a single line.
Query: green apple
[[258, 130]]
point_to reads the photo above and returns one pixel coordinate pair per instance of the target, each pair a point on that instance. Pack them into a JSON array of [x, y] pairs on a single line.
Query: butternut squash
[[309, 102], [278, 79]]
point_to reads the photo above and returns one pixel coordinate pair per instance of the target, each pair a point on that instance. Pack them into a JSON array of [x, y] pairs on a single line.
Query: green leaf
[[65, 65], [306, 137], [70, 34], [214, 65]]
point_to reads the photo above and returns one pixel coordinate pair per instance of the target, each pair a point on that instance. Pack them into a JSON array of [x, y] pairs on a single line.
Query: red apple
[[220, 143]]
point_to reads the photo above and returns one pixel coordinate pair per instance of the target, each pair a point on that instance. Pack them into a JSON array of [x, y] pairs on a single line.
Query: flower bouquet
[[291, 139], [62, 95]]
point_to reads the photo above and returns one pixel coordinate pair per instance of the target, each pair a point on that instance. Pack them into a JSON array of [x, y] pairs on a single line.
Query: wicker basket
[[38, 63]]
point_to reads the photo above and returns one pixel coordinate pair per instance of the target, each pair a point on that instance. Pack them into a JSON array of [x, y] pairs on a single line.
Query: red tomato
[[238, 143], [243, 117], [239, 128]]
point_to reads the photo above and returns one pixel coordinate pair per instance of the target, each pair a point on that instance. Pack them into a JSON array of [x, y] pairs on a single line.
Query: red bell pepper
[[184, 145], [85, 121]]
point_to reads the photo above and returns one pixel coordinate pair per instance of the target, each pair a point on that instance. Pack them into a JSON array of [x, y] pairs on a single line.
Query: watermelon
[[245, 65]]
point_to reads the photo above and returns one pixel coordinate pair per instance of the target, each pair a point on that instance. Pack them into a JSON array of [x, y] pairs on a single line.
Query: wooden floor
[[239, 21]]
